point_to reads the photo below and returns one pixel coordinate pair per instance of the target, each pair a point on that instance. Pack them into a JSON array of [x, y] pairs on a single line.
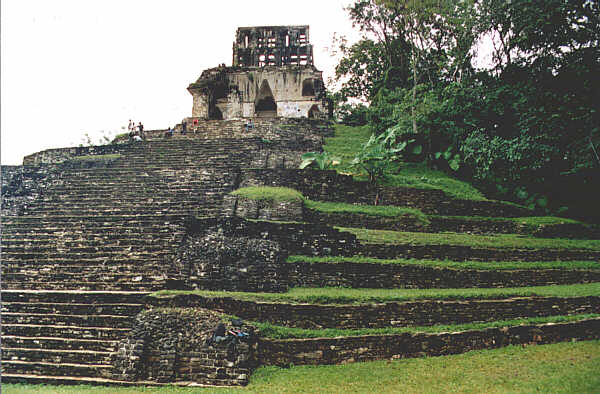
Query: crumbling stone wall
[[389, 314], [231, 253], [215, 261], [319, 351], [170, 345], [245, 92], [390, 276], [272, 75], [272, 46]]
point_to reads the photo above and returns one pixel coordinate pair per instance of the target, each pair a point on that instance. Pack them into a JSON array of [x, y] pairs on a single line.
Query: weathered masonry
[[272, 75]]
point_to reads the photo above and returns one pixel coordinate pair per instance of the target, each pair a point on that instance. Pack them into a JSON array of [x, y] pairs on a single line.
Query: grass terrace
[[477, 265], [557, 368], [370, 210], [268, 193], [532, 221], [478, 241], [339, 295], [268, 330]]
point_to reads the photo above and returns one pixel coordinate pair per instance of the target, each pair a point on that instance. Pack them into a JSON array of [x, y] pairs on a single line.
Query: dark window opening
[[308, 87]]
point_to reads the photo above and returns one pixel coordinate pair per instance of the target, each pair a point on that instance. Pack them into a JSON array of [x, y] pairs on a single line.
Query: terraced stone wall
[[440, 224], [295, 238], [382, 276], [331, 186], [465, 253], [59, 155], [170, 345], [231, 253], [391, 314], [376, 347]]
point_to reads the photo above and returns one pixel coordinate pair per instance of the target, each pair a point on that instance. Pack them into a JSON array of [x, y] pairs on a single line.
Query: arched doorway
[[314, 112], [265, 106]]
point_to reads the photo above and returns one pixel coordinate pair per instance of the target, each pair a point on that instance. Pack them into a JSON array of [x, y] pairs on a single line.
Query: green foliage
[[378, 154], [348, 141], [268, 193], [526, 129], [322, 160], [478, 241], [352, 115]]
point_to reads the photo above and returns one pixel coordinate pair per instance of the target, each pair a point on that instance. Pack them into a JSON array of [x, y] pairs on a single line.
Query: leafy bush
[[322, 160]]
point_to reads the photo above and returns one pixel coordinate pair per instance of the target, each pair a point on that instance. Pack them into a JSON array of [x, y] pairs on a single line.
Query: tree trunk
[[414, 92]]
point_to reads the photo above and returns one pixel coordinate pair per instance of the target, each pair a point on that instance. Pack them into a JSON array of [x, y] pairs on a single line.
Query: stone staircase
[[63, 335], [87, 232]]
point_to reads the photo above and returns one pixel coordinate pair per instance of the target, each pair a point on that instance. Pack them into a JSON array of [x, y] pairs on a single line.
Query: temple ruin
[[272, 75]]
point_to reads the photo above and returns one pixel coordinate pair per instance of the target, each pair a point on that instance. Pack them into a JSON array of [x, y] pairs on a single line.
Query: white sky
[[72, 67]]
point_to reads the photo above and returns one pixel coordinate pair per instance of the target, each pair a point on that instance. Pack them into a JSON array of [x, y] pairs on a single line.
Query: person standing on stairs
[[141, 130]]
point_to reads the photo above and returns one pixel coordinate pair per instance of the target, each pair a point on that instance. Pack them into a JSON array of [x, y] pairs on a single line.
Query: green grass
[[268, 193], [419, 176], [479, 241], [339, 295], [557, 368], [475, 265], [348, 141], [532, 221], [268, 330], [371, 210], [111, 156]]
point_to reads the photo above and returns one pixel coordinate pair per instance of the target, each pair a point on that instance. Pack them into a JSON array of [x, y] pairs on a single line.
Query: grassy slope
[[338, 295], [558, 368], [347, 142], [477, 265], [482, 241]]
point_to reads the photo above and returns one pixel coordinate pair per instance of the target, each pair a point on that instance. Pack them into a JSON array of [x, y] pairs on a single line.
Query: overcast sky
[[72, 67]]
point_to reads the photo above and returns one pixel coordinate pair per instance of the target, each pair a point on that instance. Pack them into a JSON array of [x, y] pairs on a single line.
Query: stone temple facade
[[272, 75]]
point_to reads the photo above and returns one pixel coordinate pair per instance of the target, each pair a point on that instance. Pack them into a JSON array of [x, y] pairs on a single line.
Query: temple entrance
[[314, 112], [265, 106]]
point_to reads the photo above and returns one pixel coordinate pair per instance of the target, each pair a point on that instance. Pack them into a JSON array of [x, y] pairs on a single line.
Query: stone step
[[90, 253], [142, 275], [72, 308], [59, 343], [108, 219], [54, 319], [55, 369], [86, 245], [79, 267], [36, 330], [70, 380], [93, 297], [66, 242], [56, 356], [85, 286]]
